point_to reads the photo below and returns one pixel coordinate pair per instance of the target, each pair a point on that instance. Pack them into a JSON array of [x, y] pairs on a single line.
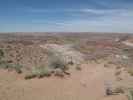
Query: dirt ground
[[87, 84], [105, 61]]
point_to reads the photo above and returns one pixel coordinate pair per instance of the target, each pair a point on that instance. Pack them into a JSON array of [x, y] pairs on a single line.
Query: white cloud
[[122, 21], [83, 10]]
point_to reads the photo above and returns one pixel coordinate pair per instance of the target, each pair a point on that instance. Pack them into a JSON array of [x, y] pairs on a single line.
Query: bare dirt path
[[87, 84]]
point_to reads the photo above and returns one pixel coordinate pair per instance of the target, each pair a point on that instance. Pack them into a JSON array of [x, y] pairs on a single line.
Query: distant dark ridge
[[47, 33]]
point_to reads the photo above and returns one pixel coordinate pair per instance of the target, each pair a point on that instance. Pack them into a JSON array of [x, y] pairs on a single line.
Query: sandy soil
[[87, 84]]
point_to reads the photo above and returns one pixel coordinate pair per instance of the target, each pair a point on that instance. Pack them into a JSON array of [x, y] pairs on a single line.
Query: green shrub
[[57, 61], [1, 53], [4, 65], [130, 71], [30, 76], [42, 71], [16, 67], [39, 72], [130, 95]]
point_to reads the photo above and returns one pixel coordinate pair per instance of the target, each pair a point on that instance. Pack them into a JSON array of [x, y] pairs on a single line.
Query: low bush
[[130, 71], [57, 63], [1, 53], [39, 72], [130, 95], [17, 68], [58, 72], [6, 65], [57, 60], [114, 91]]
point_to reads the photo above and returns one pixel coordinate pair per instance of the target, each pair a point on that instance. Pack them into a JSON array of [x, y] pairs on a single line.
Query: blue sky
[[66, 16]]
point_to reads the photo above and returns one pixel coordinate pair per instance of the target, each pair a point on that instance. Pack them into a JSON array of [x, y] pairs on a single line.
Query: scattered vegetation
[[7, 65], [16, 67]]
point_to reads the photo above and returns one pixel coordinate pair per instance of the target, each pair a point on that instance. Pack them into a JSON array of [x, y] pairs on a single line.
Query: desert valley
[[66, 66]]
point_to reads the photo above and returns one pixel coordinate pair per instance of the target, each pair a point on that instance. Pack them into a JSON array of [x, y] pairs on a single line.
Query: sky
[[66, 16]]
